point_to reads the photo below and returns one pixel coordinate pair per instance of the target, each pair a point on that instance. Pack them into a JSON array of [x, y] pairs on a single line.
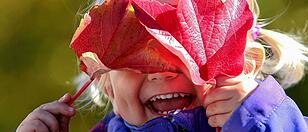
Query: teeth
[[168, 96], [164, 112], [163, 96], [175, 111], [153, 99]]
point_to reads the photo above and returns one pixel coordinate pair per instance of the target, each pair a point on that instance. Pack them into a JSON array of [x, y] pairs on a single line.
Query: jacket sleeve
[[267, 109]]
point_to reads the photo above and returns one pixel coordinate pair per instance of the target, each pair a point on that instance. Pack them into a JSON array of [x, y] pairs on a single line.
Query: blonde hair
[[284, 57], [94, 93], [281, 56]]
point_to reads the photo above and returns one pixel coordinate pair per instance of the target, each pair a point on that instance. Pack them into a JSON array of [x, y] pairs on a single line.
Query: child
[[171, 100]]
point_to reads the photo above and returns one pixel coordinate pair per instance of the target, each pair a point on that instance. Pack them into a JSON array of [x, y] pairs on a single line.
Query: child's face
[[138, 98]]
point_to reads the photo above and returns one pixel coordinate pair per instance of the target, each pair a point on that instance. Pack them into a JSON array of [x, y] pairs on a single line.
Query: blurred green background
[[37, 65]]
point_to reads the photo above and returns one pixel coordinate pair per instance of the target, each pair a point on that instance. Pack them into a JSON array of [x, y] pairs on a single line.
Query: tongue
[[171, 104]]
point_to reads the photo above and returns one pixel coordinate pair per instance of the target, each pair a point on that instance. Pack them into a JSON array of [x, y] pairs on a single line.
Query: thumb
[[65, 98], [64, 120], [201, 91]]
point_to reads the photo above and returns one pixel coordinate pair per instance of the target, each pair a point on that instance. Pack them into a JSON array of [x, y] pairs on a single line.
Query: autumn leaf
[[209, 36], [111, 37]]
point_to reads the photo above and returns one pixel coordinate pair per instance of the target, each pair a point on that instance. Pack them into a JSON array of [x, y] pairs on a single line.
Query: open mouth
[[166, 103]]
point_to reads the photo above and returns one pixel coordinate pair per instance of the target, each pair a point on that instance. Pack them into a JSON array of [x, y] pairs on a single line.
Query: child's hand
[[52, 117], [225, 97]]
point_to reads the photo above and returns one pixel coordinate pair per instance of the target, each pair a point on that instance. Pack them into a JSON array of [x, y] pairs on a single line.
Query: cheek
[[126, 89], [128, 106], [125, 95], [127, 86]]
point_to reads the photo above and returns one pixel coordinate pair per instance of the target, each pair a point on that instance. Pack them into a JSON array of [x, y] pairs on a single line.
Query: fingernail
[[70, 109]]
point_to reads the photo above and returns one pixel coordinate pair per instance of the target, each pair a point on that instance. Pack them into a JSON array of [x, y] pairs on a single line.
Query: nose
[[162, 76]]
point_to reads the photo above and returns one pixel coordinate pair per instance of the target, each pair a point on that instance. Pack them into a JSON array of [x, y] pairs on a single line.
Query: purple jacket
[[267, 109]]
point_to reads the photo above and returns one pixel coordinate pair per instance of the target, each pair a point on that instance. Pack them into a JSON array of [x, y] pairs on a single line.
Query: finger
[[65, 98], [227, 81], [218, 120], [57, 108], [64, 125], [25, 126], [220, 107], [38, 126], [219, 94], [201, 91], [48, 119]]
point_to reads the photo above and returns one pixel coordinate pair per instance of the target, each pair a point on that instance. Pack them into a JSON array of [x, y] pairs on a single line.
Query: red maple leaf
[[208, 36], [115, 39]]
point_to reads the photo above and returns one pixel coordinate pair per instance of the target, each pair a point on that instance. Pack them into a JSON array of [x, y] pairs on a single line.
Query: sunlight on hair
[[93, 99], [288, 60], [286, 57]]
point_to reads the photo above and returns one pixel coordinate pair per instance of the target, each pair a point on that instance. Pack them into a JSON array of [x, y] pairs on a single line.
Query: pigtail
[[281, 55], [94, 94], [285, 57]]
